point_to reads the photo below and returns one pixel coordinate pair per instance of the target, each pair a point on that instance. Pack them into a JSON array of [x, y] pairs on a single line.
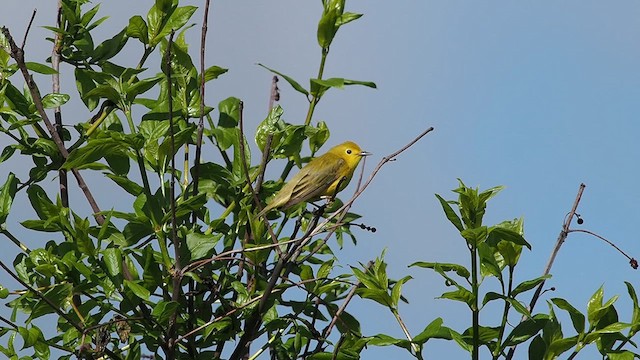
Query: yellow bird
[[320, 177]]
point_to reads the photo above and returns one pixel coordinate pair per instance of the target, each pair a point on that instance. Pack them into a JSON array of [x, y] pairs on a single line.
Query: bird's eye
[[349, 151]]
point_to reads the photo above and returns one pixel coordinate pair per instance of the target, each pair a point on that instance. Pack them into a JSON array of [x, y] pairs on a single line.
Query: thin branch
[[177, 278], [57, 111], [15, 240], [275, 96], [561, 238], [196, 161], [327, 331], [26, 33], [191, 346], [631, 260], [18, 55]]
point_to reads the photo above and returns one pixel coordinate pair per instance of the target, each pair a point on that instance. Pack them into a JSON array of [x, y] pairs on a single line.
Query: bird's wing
[[314, 184]]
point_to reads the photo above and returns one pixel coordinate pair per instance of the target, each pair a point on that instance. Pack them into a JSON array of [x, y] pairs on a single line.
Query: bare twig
[[196, 164], [57, 112], [327, 331], [631, 259], [26, 33], [177, 278], [18, 55], [196, 161], [275, 96], [561, 238]]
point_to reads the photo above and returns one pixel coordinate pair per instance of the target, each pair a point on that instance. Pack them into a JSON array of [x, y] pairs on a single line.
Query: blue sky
[[536, 96]]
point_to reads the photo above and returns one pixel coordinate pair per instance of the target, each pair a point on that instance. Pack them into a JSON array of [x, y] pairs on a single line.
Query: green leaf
[[603, 336], [104, 92], [462, 295], [110, 47], [201, 245], [290, 80], [577, 318], [488, 264], [451, 215], [142, 86], [164, 310], [213, 72], [490, 296], [594, 306], [317, 136], [273, 126], [95, 150], [621, 355], [347, 18], [7, 194], [325, 269], [340, 83], [17, 100], [112, 258], [89, 15], [40, 68], [377, 295], [329, 22], [504, 234], [84, 83], [635, 318], [176, 20], [138, 29], [519, 307], [529, 284], [525, 330], [137, 290], [537, 348], [475, 236], [432, 330], [396, 290], [41, 203], [459, 269], [557, 347], [127, 184], [179, 17], [229, 112], [30, 336], [386, 340], [54, 100]]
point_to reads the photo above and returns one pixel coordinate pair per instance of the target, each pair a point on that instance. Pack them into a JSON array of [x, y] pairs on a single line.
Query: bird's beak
[[365, 153]]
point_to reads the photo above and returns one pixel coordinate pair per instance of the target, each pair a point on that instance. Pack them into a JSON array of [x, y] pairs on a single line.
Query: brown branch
[[191, 346], [196, 161], [632, 260], [26, 33], [561, 238], [18, 55], [57, 112], [275, 96], [327, 331], [177, 278]]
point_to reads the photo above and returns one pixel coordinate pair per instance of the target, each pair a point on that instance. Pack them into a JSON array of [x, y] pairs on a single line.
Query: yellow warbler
[[320, 177]]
